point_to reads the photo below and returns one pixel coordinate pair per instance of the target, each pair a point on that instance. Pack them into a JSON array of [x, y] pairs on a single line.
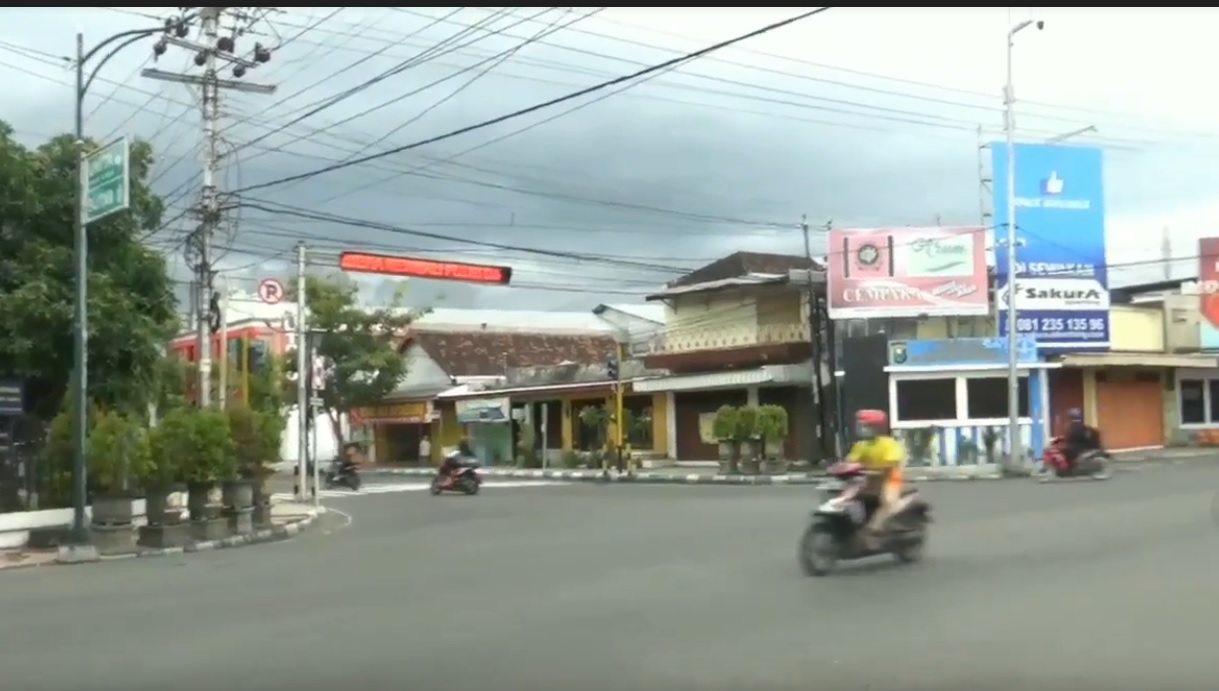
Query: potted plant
[[772, 430], [209, 457], [724, 428], [117, 451], [169, 442], [256, 440], [747, 438]]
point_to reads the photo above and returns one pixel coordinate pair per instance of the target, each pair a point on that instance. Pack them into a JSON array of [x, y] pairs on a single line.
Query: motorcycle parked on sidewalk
[[1054, 463], [835, 530], [457, 474]]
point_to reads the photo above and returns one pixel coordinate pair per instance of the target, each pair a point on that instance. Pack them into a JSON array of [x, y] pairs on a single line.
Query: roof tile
[[490, 353]]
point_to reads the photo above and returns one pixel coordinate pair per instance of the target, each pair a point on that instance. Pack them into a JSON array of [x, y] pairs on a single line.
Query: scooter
[[340, 475], [1054, 464], [457, 474], [835, 530]]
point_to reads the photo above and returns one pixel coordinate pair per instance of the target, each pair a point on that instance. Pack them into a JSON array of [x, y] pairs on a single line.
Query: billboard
[[906, 272], [1062, 282], [1208, 286]]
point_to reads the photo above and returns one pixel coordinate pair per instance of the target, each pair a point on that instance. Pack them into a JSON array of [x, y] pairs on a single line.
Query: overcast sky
[[867, 117]]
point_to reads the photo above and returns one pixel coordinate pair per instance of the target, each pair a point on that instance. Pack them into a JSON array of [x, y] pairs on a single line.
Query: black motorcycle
[[457, 474], [835, 531], [344, 475]]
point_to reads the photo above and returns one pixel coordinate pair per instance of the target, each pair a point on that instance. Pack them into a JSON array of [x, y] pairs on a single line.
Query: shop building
[[457, 351], [735, 333]]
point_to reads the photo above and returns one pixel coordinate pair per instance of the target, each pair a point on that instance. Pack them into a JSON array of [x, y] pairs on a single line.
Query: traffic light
[[611, 366]]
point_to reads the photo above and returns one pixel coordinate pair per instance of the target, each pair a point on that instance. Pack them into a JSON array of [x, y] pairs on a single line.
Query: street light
[[1013, 361], [79, 535]]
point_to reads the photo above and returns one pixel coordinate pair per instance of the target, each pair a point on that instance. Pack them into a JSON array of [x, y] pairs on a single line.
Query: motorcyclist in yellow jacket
[[882, 456]]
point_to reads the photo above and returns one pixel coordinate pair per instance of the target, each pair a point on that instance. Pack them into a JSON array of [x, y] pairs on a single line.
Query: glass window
[[639, 418], [926, 399], [986, 397], [1193, 401], [1212, 396]]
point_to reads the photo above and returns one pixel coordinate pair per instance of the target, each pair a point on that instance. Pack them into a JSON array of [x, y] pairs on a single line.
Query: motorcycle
[[1054, 464], [835, 531], [461, 475], [342, 475]]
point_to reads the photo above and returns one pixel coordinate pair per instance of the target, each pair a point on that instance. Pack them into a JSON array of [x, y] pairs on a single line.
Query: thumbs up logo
[[1053, 185]]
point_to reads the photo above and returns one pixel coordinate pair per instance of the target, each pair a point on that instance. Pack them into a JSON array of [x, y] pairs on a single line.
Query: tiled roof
[[489, 353]]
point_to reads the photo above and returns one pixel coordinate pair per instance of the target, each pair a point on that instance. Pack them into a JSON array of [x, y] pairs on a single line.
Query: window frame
[[1210, 407], [962, 396]]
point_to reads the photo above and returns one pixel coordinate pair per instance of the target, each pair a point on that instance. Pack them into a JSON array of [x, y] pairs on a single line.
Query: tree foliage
[[360, 344], [131, 304]]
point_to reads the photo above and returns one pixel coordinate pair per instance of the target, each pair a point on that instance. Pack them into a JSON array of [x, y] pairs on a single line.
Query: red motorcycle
[[1054, 463]]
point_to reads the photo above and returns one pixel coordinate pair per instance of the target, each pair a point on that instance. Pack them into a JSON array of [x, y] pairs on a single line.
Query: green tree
[[361, 345], [131, 303]]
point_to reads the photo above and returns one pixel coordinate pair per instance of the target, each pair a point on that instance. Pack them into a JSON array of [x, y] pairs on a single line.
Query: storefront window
[[639, 416], [1193, 400], [926, 399], [986, 397]]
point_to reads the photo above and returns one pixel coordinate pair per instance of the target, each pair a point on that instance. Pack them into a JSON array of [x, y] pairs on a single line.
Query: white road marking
[[416, 487]]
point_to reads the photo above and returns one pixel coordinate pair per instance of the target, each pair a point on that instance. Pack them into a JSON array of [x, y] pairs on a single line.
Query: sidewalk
[[288, 519]]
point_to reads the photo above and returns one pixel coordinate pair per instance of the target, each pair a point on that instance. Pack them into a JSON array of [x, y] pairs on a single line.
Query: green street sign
[[107, 181]]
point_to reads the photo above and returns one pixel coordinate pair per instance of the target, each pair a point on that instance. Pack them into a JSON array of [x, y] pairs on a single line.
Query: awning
[[986, 367], [770, 374], [1140, 360]]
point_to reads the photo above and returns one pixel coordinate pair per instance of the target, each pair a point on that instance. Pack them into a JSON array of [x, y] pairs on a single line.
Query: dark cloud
[[675, 171]]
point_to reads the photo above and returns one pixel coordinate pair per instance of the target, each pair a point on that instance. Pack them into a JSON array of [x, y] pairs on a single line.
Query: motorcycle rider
[[882, 456], [1078, 438], [455, 461]]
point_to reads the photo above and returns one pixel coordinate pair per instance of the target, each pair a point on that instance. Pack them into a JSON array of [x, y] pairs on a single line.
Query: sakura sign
[[907, 272]]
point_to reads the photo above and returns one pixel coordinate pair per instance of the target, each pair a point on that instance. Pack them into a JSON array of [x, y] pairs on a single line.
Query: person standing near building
[[425, 450]]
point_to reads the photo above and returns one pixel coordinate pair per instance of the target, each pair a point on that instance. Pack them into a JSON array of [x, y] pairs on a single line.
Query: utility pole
[[1014, 457], [223, 387], [821, 339], [302, 374], [221, 27]]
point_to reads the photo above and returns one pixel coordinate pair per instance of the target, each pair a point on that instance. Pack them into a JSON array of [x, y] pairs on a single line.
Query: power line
[[541, 106]]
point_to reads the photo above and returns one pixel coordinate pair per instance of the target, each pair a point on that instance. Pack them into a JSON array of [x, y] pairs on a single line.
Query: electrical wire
[[540, 106]]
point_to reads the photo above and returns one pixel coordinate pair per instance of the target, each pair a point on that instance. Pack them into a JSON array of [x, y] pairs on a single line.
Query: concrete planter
[[203, 501], [238, 496], [113, 524]]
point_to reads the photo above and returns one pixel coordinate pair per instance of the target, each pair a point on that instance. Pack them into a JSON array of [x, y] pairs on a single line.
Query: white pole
[[545, 428], [223, 389], [316, 386], [1013, 362], [302, 372]]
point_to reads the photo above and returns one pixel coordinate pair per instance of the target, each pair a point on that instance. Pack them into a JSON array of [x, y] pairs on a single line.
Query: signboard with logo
[[1208, 286], [1062, 281], [959, 351], [471, 410], [907, 272]]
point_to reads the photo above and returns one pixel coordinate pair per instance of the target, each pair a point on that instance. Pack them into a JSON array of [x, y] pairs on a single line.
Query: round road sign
[[271, 291]]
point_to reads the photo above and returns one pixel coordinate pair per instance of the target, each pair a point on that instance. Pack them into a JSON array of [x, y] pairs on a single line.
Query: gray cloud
[[689, 166]]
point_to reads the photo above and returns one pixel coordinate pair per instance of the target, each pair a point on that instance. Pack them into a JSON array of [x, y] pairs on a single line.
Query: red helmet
[[872, 418]]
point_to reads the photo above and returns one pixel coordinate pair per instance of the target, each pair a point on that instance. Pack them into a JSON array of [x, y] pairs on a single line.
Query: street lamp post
[[80, 356], [1013, 360]]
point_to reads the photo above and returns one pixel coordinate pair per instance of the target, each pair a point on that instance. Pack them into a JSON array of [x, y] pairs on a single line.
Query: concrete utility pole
[[221, 27], [1013, 333], [302, 375]]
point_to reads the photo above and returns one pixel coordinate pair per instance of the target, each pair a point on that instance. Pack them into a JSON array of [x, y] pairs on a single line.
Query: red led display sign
[[424, 268]]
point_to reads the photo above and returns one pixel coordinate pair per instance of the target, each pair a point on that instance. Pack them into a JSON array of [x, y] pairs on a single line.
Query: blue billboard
[[1062, 282]]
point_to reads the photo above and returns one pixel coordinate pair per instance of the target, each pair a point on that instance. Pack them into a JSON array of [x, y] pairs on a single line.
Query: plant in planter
[[724, 428], [595, 419], [748, 440], [772, 428], [204, 445], [118, 450], [170, 443], [256, 440]]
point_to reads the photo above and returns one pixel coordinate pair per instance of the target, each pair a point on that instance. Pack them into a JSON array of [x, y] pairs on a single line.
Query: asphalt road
[[1080, 585]]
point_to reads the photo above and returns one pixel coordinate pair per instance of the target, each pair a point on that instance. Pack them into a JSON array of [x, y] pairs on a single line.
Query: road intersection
[[1086, 585]]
